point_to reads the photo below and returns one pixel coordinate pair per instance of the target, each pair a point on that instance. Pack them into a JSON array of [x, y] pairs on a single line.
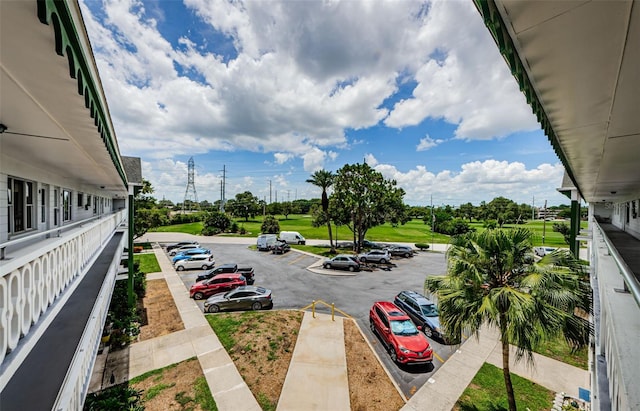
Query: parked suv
[[198, 261], [422, 311], [405, 343], [343, 262]]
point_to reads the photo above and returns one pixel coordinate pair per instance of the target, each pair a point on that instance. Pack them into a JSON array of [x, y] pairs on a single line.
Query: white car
[[198, 261], [542, 251]]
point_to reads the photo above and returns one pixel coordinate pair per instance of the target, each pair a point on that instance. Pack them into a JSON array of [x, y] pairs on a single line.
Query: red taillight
[[268, 296]]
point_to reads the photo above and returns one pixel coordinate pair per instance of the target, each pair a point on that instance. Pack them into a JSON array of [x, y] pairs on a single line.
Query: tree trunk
[[333, 250], [505, 364]]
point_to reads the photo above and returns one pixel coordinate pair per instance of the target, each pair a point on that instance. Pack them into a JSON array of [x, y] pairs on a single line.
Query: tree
[[215, 222], [324, 179], [362, 199], [270, 225], [146, 215], [492, 279], [245, 205], [563, 229]]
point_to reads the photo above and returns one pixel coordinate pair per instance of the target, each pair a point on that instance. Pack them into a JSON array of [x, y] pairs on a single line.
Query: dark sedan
[[242, 298], [401, 251]]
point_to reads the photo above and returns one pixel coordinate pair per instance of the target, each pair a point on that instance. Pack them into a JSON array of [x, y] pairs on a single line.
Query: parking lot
[[295, 287]]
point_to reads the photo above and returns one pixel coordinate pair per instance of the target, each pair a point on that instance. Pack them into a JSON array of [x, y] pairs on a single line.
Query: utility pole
[[276, 196], [433, 222], [288, 195], [533, 208], [224, 185], [269, 191], [221, 208], [544, 223]]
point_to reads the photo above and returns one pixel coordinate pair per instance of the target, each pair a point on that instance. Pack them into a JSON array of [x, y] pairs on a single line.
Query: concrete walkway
[[317, 376]]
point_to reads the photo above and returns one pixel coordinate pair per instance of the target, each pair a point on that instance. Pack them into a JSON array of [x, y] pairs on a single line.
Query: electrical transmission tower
[[190, 193]]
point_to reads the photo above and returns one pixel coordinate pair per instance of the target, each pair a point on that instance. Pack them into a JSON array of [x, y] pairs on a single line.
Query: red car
[[218, 284], [405, 343]]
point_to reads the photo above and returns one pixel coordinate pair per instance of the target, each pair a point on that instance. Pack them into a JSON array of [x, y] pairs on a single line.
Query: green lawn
[[559, 350], [487, 392], [415, 231], [148, 262]]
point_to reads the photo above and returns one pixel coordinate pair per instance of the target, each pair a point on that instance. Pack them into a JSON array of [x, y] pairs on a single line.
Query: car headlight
[[404, 350]]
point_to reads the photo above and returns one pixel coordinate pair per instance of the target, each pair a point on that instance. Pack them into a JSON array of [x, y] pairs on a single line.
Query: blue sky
[[275, 90]]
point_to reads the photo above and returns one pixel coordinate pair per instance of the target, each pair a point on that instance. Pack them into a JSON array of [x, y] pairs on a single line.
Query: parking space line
[[438, 357], [297, 259]]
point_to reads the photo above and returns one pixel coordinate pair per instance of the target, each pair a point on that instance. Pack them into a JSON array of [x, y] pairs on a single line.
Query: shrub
[[422, 246], [270, 225]]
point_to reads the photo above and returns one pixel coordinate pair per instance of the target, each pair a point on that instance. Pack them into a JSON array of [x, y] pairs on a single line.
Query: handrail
[[332, 306], [56, 230], [629, 277]]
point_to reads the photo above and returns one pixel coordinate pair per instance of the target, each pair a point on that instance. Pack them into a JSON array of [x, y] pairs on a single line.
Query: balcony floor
[[36, 382], [627, 245]]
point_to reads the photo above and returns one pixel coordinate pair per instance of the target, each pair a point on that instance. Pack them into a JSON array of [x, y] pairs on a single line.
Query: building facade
[[64, 201], [577, 64]]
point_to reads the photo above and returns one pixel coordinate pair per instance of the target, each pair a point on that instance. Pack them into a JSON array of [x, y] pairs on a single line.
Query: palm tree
[[324, 180], [493, 279]]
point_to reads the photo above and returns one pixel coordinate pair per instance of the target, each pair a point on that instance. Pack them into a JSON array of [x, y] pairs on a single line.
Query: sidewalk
[[317, 376]]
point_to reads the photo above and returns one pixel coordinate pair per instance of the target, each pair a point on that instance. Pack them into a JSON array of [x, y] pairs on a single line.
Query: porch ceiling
[[39, 98], [583, 61]]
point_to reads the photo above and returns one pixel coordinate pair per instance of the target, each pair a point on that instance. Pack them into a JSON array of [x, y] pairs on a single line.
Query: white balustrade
[[32, 281]]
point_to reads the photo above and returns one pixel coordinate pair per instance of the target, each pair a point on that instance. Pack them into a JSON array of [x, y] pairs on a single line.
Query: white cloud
[[427, 143], [479, 181], [468, 84], [305, 75]]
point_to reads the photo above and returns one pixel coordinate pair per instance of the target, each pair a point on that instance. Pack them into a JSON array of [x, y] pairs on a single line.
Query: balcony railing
[[36, 276], [616, 326]]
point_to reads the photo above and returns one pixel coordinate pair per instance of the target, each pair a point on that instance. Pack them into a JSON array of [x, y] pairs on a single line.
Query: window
[[66, 205], [56, 209], [95, 206], [88, 201], [80, 198], [21, 201], [43, 206]]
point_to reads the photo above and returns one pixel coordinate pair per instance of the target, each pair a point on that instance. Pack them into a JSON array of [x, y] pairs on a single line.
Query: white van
[[292, 237], [266, 241]]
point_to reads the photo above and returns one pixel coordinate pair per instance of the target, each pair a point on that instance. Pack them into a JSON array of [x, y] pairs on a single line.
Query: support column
[[130, 247], [575, 223]]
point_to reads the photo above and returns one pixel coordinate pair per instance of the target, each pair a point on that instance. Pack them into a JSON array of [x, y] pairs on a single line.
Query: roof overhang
[[51, 98], [578, 64]]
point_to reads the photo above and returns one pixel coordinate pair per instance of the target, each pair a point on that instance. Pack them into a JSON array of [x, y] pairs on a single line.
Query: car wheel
[[198, 296], [213, 308], [407, 255], [352, 268], [372, 327], [383, 261], [204, 266], [427, 331], [363, 259], [327, 266], [394, 356], [256, 306], [180, 268]]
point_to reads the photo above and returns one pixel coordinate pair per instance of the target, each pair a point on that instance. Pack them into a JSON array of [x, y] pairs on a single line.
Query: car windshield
[[403, 327], [430, 310]]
